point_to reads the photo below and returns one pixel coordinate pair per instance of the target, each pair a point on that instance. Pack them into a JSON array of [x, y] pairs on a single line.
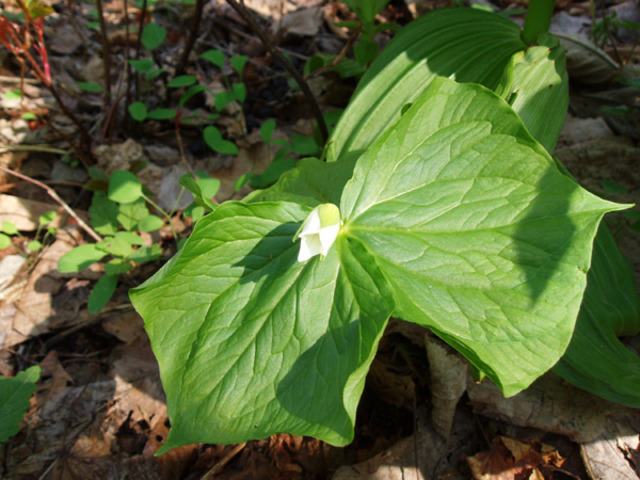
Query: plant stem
[[52, 193], [85, 138], [143, 12], [266, 42], [605, 22], [125, 7], [165, 214], [537, 20], [106, 56], [183, 158], [191, 40]]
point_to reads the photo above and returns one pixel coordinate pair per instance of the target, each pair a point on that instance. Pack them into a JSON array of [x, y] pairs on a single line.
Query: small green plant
[[366, 48], [608, 28], [300, 146], [15, 393], [234, 92], [9, 229], [119, 211]]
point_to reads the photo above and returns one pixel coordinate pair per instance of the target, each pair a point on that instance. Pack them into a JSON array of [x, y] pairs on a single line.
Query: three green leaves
[[454, 218]]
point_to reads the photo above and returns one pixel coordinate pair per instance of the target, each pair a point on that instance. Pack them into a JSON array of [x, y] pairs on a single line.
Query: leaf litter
[[99, 410]]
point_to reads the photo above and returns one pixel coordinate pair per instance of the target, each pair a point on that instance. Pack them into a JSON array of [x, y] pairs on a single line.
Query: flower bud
[[319, 231]]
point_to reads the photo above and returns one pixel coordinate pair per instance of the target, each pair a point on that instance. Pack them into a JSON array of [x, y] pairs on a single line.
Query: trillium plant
[[437, 202]]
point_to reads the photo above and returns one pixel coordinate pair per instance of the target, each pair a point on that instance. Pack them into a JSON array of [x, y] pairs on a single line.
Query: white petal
[[327, 237], [309, 246], [312, 223]]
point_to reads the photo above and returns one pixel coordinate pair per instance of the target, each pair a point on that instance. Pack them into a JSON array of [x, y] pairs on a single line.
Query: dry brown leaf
[[90, 447], [119, 37], [549, 404], [609, 457], [56, 383], [436, 458], [11, 160], [138, 391], [511, 459], [494, 464], [10, 278], [303, 22], [73, 409], [126, 327], [34, 311]]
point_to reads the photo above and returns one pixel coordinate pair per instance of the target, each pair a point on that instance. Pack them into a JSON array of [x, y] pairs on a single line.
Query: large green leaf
[[311, 183], [596, 360], [469, 44], [250, 342], [483, 239], [535, 82], [538, 89]]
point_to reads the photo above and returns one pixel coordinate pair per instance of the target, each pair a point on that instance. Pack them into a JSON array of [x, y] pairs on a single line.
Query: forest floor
[[99, 410]]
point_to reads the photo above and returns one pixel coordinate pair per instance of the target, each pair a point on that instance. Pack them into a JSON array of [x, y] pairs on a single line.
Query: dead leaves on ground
[[511, 459]]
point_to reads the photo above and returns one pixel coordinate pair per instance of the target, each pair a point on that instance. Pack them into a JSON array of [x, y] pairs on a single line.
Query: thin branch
[[5, 147], [30, 81], [84, 135], [275, 52], [106, 56], [52, 193], [191, 40], [127, 102], [143, 13], [341, 55], [226, 459], [183, 158]]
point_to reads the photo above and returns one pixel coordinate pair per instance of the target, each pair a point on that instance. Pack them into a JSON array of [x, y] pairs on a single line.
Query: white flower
[[319, 231]]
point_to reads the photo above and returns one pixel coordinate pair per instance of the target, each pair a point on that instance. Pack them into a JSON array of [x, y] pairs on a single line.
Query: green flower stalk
[[537, 20]]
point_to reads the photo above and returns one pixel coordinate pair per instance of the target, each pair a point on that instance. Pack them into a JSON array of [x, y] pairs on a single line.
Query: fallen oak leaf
[[511, 459]]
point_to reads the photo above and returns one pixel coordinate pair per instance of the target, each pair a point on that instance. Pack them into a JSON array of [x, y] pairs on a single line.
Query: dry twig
[[218, 466], [52, 193]]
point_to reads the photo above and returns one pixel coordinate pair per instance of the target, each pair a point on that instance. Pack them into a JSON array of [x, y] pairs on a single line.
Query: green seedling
[[9, 229], [608, 28], [118, 210], [236, 93], [365, 50]]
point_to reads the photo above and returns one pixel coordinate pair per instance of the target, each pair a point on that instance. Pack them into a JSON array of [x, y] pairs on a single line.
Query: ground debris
[[511, 459]]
